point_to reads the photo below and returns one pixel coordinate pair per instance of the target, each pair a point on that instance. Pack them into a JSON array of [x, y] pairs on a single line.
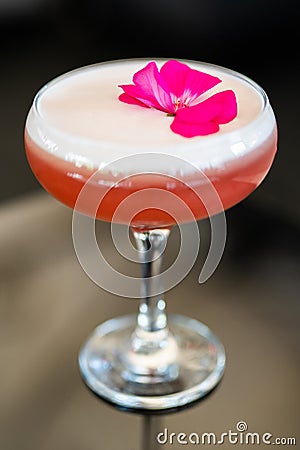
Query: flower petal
[[189, 130], [199, 82], [125, 98], [205, 117], [220, 108], [228, 106], [135, 92], [151, 83], [186, 83], [174, 74]]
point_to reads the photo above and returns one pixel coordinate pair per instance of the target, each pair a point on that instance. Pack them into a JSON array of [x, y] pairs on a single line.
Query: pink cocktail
[[79, 134]]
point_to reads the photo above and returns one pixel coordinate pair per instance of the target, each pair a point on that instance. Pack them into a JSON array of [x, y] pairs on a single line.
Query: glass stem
[[152, 352], [151, 245]]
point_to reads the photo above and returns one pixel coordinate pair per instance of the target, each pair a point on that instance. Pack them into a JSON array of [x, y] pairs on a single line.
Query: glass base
[[198, 368]]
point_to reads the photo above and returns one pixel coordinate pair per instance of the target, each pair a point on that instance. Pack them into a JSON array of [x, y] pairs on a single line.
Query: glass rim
[[149, 147]]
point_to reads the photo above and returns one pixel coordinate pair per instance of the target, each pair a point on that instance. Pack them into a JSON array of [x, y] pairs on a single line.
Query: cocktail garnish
[[176, 90]]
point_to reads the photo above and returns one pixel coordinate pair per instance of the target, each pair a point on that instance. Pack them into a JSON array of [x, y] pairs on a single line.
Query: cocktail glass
[[149, 361]]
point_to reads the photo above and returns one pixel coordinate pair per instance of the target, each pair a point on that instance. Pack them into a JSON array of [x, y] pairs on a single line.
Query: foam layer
[[79, 118]]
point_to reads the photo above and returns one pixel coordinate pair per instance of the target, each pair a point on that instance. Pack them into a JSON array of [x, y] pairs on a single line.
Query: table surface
[[48, 306]]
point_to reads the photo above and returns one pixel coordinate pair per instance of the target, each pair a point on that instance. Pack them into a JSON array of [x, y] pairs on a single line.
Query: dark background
[[41, 39]]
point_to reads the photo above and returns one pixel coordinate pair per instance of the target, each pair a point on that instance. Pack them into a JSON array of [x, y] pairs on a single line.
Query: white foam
[[79, 118]]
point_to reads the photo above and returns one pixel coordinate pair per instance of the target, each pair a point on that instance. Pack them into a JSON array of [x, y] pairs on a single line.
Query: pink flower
[[175, 90]]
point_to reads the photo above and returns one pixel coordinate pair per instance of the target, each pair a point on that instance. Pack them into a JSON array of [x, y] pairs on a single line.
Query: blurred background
[[48, 305], [41, 39]]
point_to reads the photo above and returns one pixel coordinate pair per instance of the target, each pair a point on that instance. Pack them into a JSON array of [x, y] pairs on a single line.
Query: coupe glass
[[149, 361]]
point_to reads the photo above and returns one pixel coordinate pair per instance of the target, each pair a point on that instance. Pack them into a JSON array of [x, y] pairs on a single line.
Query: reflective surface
[[48, 307]]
